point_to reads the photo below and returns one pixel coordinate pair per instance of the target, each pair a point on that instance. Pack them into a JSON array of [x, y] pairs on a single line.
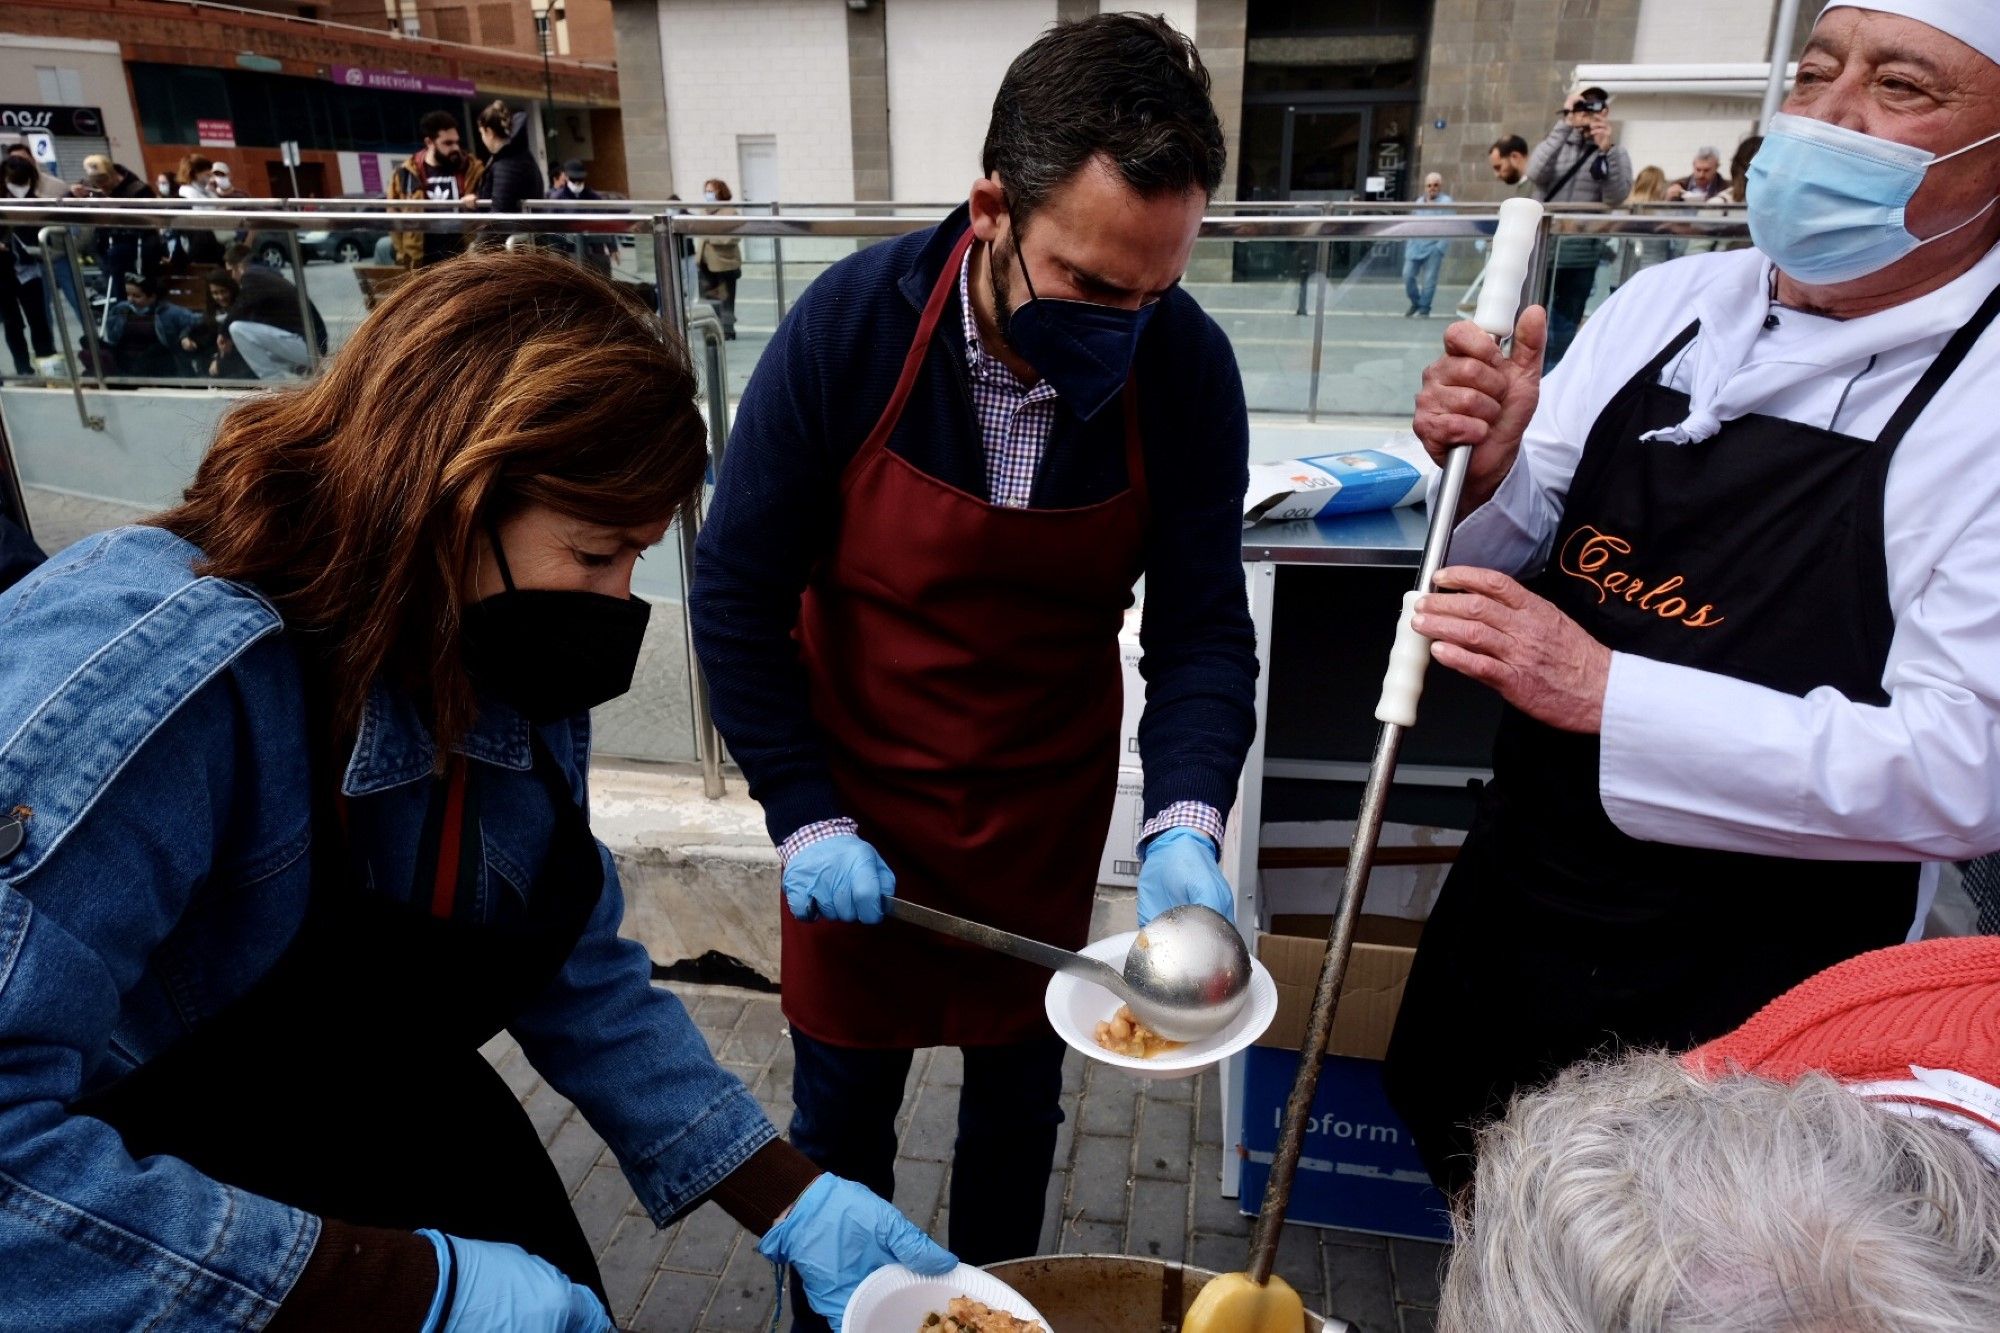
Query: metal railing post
[[47, 236], [112, 287], [1322, 279], [778, 267], [673, 313], [305, 301]]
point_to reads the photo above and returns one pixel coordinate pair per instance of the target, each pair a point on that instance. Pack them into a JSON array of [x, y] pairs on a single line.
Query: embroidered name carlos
[[1588, 554]]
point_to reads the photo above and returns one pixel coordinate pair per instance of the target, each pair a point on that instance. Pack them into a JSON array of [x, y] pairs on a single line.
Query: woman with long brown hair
[[292, 820]]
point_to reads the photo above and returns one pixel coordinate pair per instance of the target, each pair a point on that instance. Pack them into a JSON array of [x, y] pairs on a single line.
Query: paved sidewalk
[[1136, 1171]]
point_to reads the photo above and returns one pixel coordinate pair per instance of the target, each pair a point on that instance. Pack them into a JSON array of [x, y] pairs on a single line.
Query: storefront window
[[267, 109]]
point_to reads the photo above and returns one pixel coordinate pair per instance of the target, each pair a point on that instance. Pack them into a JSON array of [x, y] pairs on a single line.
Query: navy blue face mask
[[1084, 349]]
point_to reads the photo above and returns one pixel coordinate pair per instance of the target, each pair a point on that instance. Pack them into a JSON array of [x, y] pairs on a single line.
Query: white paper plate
[[1075, 1008], [892, 1299]]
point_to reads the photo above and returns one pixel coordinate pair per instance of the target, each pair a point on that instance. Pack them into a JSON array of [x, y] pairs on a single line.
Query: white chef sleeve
[[1697, 758]]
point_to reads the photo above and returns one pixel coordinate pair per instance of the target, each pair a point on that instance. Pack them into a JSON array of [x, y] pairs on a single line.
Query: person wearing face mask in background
[[441, 170], [573, 182], [718, 261], [24, 309], [295, 822], [1751, 677], [955, 459]]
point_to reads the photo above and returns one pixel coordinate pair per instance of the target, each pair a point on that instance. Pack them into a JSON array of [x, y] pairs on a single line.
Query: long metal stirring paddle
[[1186, 977], [1507, 269]]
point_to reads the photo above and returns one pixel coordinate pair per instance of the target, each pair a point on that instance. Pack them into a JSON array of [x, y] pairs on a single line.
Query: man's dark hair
[[235, 254], [145, 282], [22, 149], [1509, 146], [435, 123], [1126, 86]]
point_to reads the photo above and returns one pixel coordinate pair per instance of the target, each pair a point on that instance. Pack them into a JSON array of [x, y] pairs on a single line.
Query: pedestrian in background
[[143, 330], [1636, 252], [120, 250], [719, 261], [1423, 259], [573, 182], [1703, 183], [1509, 159], [441, 171], [24, 308], [265, 322], [1578, 163], [511, 174], [1739, 171]]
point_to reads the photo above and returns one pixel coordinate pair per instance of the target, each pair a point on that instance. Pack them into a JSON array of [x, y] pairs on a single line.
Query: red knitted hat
[[1934, 1004]]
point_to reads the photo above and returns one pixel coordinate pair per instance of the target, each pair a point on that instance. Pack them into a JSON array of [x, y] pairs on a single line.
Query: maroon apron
[[963, 660]]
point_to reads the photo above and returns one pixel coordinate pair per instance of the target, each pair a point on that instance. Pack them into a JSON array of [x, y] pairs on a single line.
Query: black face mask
[[552, 653]]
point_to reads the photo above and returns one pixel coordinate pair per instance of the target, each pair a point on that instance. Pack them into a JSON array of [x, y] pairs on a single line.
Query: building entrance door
[[757, 167]]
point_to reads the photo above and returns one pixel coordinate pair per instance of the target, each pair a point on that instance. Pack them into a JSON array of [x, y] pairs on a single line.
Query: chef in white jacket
[[1752, 666]]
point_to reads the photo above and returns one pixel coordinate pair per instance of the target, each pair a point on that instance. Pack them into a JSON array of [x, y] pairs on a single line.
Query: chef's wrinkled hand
[[487, 1287], [1484, 625], [840, 879], [1478, 395], [1179, 867], [837, 1233]]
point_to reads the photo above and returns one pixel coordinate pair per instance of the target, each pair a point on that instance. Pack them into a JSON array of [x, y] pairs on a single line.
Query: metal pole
[[778, 266], [48, 237], [111, 288], [548, 21], [1321, 280], [1781, 58], [1354, 889], [305, 301], [707, 740]]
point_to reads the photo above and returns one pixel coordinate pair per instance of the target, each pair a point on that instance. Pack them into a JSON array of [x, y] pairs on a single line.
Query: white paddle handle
[[1507, 266], [1499, 306], [1404, 683]]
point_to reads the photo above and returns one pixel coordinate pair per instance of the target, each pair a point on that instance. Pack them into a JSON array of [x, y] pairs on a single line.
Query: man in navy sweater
[[955, 459]]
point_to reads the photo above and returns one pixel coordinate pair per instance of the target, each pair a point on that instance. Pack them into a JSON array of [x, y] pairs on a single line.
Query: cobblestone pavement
[[1136, 1171]]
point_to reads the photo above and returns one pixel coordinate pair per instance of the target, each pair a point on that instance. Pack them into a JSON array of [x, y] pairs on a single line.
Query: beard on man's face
[[1000, 282]]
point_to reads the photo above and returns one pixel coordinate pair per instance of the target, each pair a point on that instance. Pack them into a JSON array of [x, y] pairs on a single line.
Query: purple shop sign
[[396, 81]]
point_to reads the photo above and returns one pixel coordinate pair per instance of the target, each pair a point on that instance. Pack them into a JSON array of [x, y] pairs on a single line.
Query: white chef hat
[[1974, 22]]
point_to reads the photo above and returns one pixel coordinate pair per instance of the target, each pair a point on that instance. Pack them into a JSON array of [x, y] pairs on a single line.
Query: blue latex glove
[[1179, 867], [837, 1233], [498, 1288], [840, 878]]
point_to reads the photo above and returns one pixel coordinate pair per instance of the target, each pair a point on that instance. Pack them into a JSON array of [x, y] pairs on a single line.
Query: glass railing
[[1313, 298]]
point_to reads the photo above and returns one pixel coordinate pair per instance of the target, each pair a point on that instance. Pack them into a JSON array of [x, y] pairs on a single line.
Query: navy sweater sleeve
[[771, 521], [1200, 650]]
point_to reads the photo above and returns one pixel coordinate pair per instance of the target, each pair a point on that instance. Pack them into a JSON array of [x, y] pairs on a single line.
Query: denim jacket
[[153, 732]]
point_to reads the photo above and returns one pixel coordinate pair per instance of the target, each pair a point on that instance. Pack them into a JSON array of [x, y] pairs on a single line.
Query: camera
[[1591, 105]]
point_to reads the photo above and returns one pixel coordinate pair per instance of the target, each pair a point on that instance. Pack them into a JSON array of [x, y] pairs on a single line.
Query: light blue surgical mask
[[1827, 203]]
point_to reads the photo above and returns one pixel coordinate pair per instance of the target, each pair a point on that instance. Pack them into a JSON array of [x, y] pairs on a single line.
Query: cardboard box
[[1394, 472], [1370, 995], [1119, 865], [1359, 1169]]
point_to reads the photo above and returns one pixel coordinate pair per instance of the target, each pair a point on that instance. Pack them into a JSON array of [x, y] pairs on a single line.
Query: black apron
[[1756, 554], [348, 1082]]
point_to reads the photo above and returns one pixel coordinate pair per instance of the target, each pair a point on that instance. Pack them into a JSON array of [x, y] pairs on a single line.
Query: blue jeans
[[1008, 1113], [1420, 280], [1569, 295]]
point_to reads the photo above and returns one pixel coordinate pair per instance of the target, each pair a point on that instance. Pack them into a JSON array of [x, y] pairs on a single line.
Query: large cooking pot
[[1116, 1293]]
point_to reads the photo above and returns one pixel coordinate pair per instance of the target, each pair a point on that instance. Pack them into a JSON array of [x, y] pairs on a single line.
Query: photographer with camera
[[1578, 164]]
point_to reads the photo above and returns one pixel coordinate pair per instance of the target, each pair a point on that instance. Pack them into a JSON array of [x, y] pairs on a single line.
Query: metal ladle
[[1186, 977]]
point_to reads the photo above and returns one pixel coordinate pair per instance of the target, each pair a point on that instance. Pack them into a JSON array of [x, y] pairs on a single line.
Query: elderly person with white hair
[[1706, 180], [1831, 1167], [1753, 669]]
